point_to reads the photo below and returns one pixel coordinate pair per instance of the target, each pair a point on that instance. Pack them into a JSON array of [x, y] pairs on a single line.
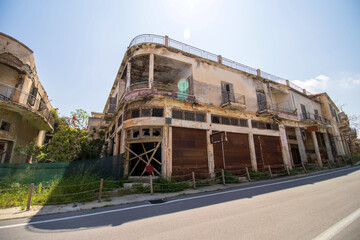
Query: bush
[[259, 175]]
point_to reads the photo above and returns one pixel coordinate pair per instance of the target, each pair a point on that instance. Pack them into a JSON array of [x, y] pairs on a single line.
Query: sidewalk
[[16, 212]]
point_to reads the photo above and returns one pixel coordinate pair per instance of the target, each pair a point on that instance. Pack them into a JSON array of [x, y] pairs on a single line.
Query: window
[[146, 112], [225, 120], [120, 121], [261, 99], [189, 115], [157, 112], [136, 133], [234, 121], [264, 125], [227, 91], [135, 113], [5, 126], [303, 111], [144, 132], [243, 123], [215, 119]]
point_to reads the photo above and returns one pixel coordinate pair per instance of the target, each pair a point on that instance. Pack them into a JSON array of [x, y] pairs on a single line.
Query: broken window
[[146, 132], [156, 132], [215, 119], [5, 126], [268, 126], [135, 113], [136, 133], [128, 134], [32, 96], [275, 127], [254, 124], [234, 121]]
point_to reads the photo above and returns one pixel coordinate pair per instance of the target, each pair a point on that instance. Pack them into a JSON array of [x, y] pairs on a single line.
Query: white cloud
[[349, 80], [187, 33], [314, 85]]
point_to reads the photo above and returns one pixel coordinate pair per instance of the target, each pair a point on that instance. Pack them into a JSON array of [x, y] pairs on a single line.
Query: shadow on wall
[[114, 216]]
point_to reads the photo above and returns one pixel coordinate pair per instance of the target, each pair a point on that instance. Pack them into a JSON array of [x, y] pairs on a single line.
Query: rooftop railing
[[152, 38], [34, 103]]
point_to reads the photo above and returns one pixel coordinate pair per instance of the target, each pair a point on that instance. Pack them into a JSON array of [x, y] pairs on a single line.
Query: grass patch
[[163, 185], [229, 178], [259, 175]]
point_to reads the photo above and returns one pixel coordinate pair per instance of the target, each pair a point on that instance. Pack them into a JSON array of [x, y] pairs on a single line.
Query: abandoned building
[[181, 109], [24, 105]]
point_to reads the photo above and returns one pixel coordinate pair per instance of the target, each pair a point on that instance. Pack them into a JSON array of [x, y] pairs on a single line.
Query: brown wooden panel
[[236, 151], [189, 151], [268, 150]]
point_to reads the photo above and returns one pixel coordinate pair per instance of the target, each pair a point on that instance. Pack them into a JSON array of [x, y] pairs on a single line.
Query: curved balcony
[[168, 42], [30, 107]]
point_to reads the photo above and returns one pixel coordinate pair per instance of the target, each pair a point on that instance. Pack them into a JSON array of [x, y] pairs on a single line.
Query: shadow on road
[[118, 215]]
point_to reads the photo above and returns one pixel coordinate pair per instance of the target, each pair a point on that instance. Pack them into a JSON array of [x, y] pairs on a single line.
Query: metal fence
[[229, 97], [317, 117]]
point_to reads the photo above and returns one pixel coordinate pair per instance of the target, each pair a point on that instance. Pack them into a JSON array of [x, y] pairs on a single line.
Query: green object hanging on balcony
[[183, 86]]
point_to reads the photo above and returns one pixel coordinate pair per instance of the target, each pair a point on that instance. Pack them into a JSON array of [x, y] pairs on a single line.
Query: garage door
[[189, 151], [236, 151], [268, 151]]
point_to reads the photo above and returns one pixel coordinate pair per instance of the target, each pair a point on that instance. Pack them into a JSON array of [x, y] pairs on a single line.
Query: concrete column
[[210, 147], [166, 146], [151, 70], [328, 148], [220, 59], [316, 146], [40, 138], [210, 154], [128, 76], [301, 145], [166, 41], [116, 145], [252, 148], [258, 72], [285, 147]]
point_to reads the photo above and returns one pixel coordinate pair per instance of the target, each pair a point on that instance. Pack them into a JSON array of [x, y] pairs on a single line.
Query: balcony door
[[261, 99], [227, 91], [303, 111]]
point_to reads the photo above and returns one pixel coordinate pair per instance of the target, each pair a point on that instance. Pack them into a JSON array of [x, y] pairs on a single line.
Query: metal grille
[[200, 117], [234, 121], [177, 114], [189, 116], [157, 112], [254, 124], [261, 125], [243, 123], [146, 112], [135, 113], [225, 120]]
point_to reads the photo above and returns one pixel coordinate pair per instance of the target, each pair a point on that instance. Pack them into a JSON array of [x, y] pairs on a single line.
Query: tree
[[80, 118]]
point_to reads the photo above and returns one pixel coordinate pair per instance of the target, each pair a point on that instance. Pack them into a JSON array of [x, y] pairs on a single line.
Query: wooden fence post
[[30, 196], [248, 174], [193, 178], [329, 163], [303, 166], [223, 176], [100, 188], [269, 167], [287, 170], [151, 185]]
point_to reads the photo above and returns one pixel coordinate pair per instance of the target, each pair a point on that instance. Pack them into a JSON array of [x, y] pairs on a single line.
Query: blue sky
[[79, 45]]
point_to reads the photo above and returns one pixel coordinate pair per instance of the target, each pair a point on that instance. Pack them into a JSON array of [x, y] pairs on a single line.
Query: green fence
[[26, 173]]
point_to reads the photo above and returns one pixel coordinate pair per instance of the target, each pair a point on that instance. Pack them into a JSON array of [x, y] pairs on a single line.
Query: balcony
[[231, 100], [29, 106], [283, 110], [353, 133], [314, 118]]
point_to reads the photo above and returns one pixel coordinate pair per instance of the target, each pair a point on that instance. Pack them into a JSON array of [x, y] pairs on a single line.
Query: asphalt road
[[322, 206]]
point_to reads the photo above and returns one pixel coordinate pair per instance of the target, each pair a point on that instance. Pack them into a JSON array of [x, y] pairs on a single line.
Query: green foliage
[[229, 178], [82, 118], [259, 175], [163, 185]]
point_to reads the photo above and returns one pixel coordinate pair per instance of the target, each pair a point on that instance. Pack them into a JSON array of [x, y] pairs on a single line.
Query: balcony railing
[[34, 103], [316, 117], [284, 107], [151, 38], [229, 97]]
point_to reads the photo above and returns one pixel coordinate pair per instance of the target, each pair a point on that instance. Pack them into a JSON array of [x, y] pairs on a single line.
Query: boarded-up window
[[189, 151]]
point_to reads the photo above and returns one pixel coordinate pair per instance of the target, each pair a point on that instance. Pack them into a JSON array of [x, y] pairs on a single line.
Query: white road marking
[[172, 201], [339, 226]]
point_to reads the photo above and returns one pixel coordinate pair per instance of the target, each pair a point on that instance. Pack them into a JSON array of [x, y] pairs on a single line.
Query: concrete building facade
[[24, 105], [182, 109]]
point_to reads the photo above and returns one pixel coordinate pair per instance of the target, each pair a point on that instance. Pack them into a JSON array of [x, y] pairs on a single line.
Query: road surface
[[322, 206]]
